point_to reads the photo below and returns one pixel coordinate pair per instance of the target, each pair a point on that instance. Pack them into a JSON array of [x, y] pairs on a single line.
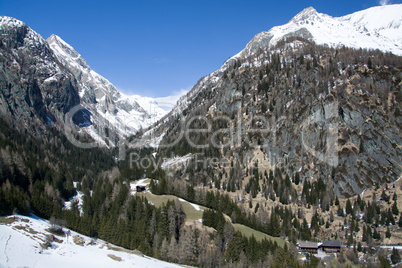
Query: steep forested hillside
[[313, 111]]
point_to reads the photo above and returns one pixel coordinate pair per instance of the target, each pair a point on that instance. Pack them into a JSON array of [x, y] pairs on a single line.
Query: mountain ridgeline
[[314, 107], [307, 115], [314, 111]]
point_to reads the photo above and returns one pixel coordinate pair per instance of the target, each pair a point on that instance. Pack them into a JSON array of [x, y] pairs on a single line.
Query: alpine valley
[[295, 138]]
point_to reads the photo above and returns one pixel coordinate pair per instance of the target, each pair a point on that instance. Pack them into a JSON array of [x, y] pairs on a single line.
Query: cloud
[[385, 2]]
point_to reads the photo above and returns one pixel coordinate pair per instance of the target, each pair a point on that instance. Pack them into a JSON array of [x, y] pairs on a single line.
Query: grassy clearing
[[194, 215], [191, 212], [158, 200], [247, 231]]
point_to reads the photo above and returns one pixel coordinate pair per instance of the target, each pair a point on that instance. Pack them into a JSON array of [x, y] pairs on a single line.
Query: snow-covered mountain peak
[[6, 21], [306, 14], [62, 47], [20, 35], [109, 108], [92, 85], [385, 20], [373, 28], [377, 17]]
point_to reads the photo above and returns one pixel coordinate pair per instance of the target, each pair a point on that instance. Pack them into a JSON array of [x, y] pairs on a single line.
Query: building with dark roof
[[310, 247], [331, 246]]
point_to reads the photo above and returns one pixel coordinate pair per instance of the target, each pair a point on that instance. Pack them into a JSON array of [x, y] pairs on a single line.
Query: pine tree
[[395, 209], [364, 236], [400, 221], [390, 218], [297, 178], [376, 235], [370, 63], [340, 211], [359, 247], [395, 257], [274, 226], [384, 262], [350, 240], [388, 233], [349, 209]]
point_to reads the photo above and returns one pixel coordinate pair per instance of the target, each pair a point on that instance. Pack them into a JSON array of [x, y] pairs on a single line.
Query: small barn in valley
[[140, 188], [307, 246], [331, 246]]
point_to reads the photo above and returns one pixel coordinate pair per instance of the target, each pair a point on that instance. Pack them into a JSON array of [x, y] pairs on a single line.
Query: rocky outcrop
[[35, 89], [43, 80], [111, 110]]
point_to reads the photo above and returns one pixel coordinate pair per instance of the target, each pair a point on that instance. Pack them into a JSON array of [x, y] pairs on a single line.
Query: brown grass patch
[[78, 240], [26, 229], [120, 249], [7, 220], [114, 257]]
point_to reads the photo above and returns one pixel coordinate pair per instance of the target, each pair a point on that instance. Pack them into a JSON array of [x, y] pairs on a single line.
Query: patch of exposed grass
[[114, 257], [56, 231], [78, 240], [51, 238], [7, 220], [191, 213], [26, 229], [119, 249], [158, 200], [247, 231]]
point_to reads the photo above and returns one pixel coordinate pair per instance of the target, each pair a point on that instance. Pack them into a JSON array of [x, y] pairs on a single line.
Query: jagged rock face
[[34, 88], [93, 87], [110, 109], [42, 80]]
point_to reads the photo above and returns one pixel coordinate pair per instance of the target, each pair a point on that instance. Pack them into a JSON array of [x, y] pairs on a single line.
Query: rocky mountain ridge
[[49, 78], [330, 108], [36, 88], [373, 28], [115, 110]]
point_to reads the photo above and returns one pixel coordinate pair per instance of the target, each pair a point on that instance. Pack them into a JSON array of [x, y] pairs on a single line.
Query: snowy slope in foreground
[[20, 244]]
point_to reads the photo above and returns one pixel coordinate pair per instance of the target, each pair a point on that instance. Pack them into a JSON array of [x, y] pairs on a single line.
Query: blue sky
[[157, 48]]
